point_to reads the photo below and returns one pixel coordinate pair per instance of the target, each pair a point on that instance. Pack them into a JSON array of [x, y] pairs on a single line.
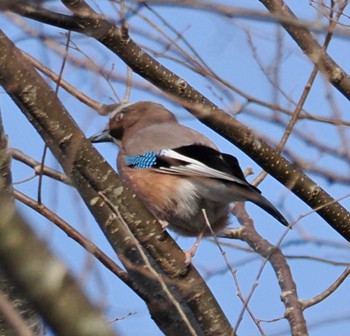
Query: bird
[[176, 171]]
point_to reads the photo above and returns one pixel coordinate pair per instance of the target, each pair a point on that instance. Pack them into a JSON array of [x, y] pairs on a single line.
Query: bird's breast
[[176, 200]]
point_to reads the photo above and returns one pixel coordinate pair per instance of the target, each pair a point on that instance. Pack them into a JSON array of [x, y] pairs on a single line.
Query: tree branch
[[92, 24], [273, 254], [197, 311], [308, 44], [17, 315]]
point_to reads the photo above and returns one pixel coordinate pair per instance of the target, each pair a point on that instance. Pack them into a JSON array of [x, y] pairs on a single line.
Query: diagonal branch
[[45, 280], [308, 44], [177, 297], [17, 314], [26, 266], [274, 255], [88, 22]]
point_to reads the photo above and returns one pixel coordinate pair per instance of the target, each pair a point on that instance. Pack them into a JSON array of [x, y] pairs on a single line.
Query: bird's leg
[[189, 254]]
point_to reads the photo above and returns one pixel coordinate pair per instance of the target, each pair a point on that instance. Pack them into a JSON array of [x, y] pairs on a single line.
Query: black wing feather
[[213, 159]]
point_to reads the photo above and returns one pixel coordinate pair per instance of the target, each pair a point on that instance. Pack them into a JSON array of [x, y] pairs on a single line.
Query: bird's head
[[128, 118]]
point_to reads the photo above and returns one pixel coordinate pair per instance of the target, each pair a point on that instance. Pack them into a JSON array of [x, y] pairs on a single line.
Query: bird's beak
[[102, 136]]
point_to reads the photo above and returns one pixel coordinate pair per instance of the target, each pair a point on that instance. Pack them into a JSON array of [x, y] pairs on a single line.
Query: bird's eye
[[119, 116]]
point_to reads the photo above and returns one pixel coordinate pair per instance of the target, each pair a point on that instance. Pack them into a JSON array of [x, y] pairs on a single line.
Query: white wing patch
[[194, 168]]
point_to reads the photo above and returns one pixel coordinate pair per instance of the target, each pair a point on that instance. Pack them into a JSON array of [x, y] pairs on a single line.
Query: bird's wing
[[192, 160], [203, 161]]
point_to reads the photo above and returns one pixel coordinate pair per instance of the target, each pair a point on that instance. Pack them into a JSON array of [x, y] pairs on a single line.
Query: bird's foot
[[189, 254]]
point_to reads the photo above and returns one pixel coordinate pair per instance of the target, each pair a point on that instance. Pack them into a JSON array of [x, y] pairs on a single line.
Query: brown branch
[[311, 302], [21, 314], [79, 238], [5, 159], [92, 24], [273, 254], [30, 162], [197, 311], [13, 318], [29, 263], [250, 14], [308, 44]]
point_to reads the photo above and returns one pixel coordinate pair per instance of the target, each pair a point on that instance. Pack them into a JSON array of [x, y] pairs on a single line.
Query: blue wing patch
[[142, 161]]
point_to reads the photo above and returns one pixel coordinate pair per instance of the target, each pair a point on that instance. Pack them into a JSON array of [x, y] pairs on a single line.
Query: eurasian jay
[[177, 171]]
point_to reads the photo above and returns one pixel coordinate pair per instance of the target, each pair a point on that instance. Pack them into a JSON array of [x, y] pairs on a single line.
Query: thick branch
[[239, 134], [45, 280], [22, 312], [308, 44], [289, 293], [29, 264], [180, 304]]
